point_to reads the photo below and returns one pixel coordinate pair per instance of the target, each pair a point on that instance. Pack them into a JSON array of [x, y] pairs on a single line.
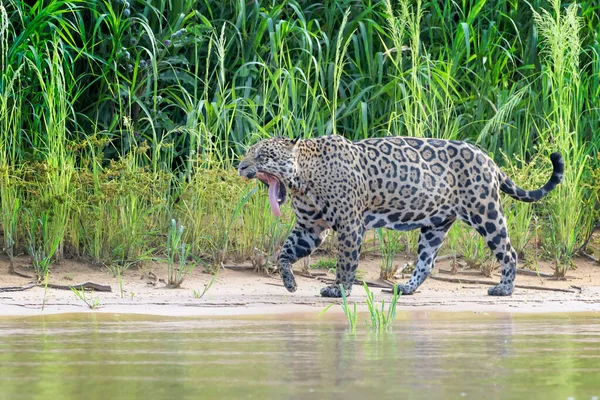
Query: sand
[[240, 291]]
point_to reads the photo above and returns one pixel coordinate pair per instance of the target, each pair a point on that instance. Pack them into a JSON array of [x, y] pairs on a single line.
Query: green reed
[[41, 244], [10, 219], [261, 233], [351, 313], [561, 49], [199, 294], [465, 241], [10, 104], [91, 302], [177, 252], [381, 319], [389, 245]]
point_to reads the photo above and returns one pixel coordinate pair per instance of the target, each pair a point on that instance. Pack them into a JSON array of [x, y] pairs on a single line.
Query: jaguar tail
[[530, 196]]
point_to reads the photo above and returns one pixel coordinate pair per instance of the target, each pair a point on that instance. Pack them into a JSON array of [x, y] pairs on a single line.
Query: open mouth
[[277, 191]]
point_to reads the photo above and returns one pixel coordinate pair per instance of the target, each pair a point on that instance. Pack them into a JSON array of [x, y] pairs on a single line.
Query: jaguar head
[[273, 162]]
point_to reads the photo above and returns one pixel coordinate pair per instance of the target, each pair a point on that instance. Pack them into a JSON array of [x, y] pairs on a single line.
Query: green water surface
[[425, 356]]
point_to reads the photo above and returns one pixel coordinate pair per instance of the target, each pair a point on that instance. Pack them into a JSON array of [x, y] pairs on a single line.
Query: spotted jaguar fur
[[394, 182]]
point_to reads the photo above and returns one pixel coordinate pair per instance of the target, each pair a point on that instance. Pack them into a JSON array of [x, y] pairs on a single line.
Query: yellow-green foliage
[[209, 205], [119, 214], [205, 202], [119, 210]]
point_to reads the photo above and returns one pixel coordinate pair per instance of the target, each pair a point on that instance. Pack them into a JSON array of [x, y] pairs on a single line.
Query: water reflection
[[425, 356]]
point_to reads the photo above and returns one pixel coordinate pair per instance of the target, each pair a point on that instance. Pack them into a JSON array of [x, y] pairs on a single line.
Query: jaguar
[[400, 183]]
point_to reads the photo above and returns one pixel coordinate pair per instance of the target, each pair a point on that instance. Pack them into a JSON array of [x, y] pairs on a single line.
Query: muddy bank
[[240, 291]]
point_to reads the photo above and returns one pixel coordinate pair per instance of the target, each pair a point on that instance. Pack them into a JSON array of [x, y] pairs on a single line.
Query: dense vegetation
[[118, 117]]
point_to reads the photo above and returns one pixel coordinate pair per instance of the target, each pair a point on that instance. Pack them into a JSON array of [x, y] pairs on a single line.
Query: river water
[[297, 356]]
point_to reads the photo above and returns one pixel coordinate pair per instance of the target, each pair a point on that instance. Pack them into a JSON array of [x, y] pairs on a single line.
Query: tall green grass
[[177, 252], [129, 114], [10, 122], [570, 222], [42, 245]]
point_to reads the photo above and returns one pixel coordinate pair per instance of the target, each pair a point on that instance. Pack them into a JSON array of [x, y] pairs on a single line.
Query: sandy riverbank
[[240, 291]]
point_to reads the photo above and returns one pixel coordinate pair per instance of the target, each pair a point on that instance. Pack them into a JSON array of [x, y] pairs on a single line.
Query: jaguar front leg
[[349, 242], [302, 241]]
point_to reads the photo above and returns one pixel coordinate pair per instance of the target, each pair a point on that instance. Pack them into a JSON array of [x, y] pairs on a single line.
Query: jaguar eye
[[259, 157]]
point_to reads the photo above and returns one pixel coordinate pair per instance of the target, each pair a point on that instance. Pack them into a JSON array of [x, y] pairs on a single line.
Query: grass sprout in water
[[380, 319], [351, 314]]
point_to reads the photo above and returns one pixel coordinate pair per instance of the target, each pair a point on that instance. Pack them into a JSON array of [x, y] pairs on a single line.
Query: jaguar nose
[[246, 171]]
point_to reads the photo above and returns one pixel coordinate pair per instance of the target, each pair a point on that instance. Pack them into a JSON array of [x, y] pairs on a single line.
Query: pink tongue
[[273, 193]]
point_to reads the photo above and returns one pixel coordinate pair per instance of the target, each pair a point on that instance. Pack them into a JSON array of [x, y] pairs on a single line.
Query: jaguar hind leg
[[430, 241], [493, 229]]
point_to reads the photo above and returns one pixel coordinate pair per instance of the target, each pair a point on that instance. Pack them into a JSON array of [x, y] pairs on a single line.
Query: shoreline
[[258, 309], [241, 292]]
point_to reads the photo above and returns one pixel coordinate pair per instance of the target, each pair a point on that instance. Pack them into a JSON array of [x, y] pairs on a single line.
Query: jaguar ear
[[293, 146]]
